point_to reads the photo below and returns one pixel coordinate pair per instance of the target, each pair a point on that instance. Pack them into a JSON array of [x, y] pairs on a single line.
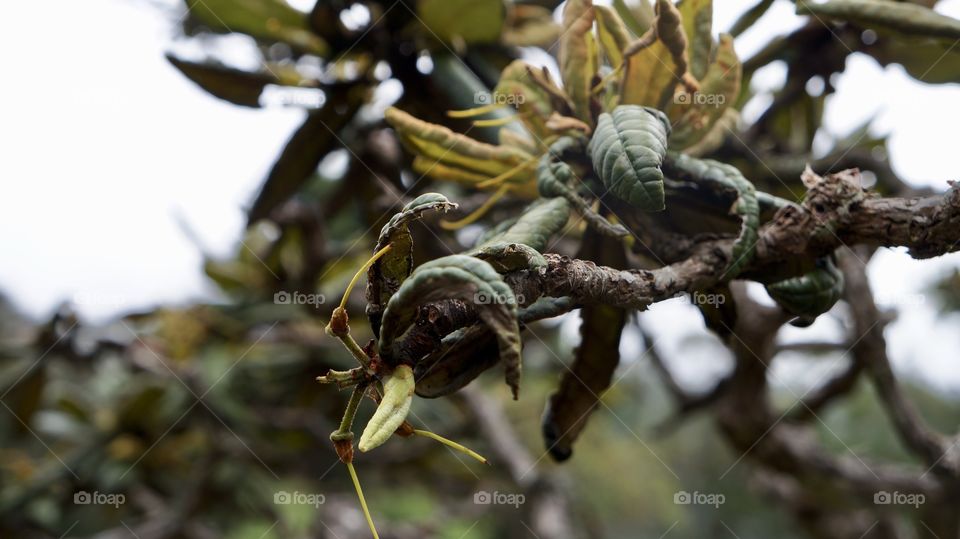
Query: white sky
[[105, 145]]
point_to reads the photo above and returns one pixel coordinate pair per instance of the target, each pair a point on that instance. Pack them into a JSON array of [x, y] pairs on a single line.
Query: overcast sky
[[107, 148]]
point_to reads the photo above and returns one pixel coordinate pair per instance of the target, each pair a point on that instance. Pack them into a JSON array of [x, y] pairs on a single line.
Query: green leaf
[[727, 181], [638, 18], [627, 149], [930, 60], [539, 222], [387, 274], [810, 294], [470, 280], [555, 178], [750, 17], [463, 21], [269, 20], [529, 26], [903, 17], [234, 85]]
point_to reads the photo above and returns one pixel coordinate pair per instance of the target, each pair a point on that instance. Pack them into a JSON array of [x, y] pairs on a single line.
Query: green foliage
[[627, 149]]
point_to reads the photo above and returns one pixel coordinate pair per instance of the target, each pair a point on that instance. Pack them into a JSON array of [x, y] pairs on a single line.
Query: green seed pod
[[397, 395]]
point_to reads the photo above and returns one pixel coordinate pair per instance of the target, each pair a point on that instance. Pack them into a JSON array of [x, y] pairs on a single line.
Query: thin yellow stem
[[477, 111], [451, 444], [478, 213], [363, 269], [363, 502], [497, 122], [502, 177]]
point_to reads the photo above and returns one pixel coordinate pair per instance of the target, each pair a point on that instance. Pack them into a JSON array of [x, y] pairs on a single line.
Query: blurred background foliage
[[200, 415]]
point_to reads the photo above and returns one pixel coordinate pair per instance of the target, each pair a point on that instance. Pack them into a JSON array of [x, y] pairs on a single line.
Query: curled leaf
[[695, 115], [397, 395], [810, 294], [437, 145], [470, 280], [507, 257], [555, 178], [576, 65], [627, 149], [613, 34], [386, 274], [539, 222], [697, 17], [725, 180]]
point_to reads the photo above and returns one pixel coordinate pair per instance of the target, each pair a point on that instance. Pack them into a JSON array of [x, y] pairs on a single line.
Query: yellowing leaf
[[697, 18], [574, 57], [693, 115]]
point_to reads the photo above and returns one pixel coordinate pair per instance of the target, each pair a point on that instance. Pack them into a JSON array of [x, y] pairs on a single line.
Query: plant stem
[[363, 502], [451, 444]]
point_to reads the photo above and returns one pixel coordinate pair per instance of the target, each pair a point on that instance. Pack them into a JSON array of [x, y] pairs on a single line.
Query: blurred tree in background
[[207, 421]]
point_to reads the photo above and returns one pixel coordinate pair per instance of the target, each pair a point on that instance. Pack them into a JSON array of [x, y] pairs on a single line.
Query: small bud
[[405, 429], [339, 323], [343, 445]]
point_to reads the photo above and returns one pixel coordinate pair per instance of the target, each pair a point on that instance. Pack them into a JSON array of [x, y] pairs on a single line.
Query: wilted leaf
[[390, 270], [695, 116], [575, 58], [723, 179], [810, 294], [613, 34], [437, 144], [638, 18], [697, 16], [539, 222], [468, 279]]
